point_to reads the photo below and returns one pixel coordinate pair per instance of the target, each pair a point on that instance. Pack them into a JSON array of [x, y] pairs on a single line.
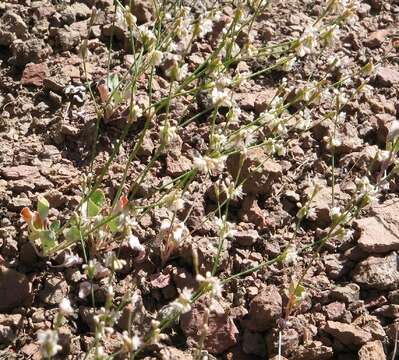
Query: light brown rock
[[372, 351]]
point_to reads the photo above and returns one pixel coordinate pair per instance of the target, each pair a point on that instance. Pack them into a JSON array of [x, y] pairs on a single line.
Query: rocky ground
[[46, 136]]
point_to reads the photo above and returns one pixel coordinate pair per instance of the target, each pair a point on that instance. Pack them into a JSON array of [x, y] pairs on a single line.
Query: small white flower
[[168, 133], [48, 341], [288, 64], [84, 289], [233, 192], [335, 212], [182, 304], [205, 27], [155, 57], [233, 115], [131, 343], [72, 260], [206, 164], [134, 242], [221, 97], [94, 269], [112, 262], [226, 228], [175, 232], [147, 37], [291, 255], [174, 201], [211, 284], [65, 307]]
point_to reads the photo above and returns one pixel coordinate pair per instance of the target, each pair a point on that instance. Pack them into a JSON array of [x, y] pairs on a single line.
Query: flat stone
[[377, 272], [19, 172], [34, 74], [387, 76], [348, 334]]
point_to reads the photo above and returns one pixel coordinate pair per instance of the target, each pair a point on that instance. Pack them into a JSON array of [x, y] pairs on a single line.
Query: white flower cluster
[[366, 191], [208, 164], [174, 233], [210, 284], [48, 341]]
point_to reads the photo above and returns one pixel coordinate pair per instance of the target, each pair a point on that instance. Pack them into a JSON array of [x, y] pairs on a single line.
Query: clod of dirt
[[143, 10], [15, 289], [348, 293], [31, 50], [246, 237], [376, 38], [372, 325], [12, 27]]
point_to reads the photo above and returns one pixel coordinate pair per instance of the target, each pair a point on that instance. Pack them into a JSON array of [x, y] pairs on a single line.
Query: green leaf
[[43, 207], [299, 291], [98, 197], [48, 240], [72, 233], [92, 209], [114, 225], [113, 82], [55, 225], [95, 203]]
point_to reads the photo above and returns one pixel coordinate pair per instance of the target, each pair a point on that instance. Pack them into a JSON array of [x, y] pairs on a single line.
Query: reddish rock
[[255, 101], [372, 325], [350, 335], [143, 10], [251, 212], [176, 166], [321, 204], [384, 122], [334, 310], [378, 234], [222, 332], [372, 351], [34, 74], [246, 237], [264, 309]]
